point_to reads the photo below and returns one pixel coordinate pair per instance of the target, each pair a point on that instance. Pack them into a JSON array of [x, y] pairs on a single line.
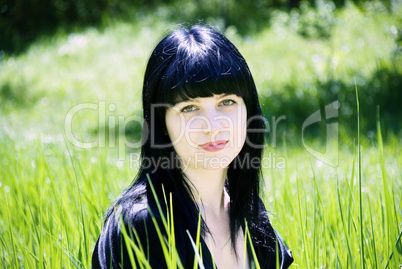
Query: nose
[[212, 121]]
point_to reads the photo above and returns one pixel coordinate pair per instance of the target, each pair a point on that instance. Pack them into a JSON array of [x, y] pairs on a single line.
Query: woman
[[202, 145]]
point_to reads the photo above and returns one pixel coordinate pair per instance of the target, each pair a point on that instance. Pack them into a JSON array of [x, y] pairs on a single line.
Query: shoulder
[[112, 250], [267, 242]]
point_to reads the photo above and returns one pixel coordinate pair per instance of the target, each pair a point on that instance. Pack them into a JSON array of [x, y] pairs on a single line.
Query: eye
[[227, 102], [189, 108]]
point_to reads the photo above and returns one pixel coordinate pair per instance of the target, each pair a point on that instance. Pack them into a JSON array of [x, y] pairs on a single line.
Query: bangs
[[212, 74]]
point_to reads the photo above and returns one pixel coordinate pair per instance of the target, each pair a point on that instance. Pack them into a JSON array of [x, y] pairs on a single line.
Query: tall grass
[[53, 200], [362, 261]]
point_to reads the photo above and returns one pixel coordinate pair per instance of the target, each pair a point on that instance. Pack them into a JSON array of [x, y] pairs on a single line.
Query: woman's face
[[207, 132]]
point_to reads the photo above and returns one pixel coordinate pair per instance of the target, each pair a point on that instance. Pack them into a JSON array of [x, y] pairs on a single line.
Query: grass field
[[54, 194]]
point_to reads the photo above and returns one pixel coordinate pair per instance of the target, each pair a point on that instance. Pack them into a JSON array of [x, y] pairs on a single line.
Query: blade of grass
[[396, 243], [42, 261], [304, 235], [172, 241], [245, 250], [373, 235], [35, 225], [247, 235], [351, 190], [344, 226], [387, 195], [76, 261], [59, 202], [362, 261], [158, 204], [197, 245], [169, 250], [197, 254], [79, 200], [132, 247], [12, 236]]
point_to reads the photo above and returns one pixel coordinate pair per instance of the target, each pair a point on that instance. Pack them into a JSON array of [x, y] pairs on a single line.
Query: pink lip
[[214, 146]]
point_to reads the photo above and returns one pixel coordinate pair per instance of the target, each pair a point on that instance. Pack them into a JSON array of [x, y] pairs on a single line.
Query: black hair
[[190, 63]]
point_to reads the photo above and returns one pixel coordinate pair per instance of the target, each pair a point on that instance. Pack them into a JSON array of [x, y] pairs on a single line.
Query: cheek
[[173, 126], [194, 126], [175, 134], [243, 126], [181, 132]]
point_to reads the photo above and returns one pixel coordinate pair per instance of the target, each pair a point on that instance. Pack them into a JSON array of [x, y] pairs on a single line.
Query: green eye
[[227, 102], [188, 108]]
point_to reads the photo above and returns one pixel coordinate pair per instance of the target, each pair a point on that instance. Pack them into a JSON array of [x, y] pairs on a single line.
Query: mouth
[[214, 146]]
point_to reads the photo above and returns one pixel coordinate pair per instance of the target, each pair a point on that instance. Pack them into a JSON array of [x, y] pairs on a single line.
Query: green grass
[[53, 204], [54, 194]]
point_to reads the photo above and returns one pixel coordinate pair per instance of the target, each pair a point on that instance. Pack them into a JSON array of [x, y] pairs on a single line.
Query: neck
[[207, 187]]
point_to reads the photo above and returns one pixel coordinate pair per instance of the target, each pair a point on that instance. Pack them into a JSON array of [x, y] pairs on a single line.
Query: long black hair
[[190, 63]]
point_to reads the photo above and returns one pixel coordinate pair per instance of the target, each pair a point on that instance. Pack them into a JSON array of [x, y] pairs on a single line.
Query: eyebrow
[[188, 101], [194, 100]]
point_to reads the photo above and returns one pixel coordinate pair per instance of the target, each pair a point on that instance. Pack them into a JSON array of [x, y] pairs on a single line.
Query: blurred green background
[[56, 55], [303, 55]]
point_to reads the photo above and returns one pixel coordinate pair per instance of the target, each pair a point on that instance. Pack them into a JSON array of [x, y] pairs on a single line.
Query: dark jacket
[[111, 252]]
